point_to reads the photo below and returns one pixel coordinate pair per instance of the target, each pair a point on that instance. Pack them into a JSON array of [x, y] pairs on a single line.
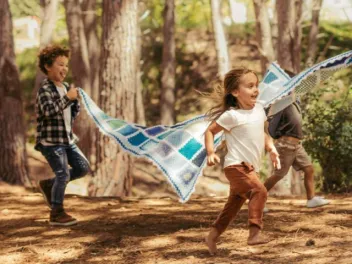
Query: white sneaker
[[317, 201]]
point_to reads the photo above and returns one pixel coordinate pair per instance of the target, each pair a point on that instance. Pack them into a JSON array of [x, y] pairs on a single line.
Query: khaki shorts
[[291, 154]]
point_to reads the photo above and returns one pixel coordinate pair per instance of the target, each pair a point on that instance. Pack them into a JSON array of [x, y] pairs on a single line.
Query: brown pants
[[244, 184]]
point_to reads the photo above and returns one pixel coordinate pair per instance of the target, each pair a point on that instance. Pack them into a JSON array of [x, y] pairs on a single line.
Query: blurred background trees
[[143, 60]]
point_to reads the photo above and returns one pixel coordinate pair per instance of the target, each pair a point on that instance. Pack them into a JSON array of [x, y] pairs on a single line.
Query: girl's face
[[247, 91], [58, 70]]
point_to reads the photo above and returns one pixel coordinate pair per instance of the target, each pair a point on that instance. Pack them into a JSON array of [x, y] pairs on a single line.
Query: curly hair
[[48, 55]]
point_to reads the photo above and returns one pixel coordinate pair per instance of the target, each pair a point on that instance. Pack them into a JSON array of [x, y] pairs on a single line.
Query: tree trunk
[[91, 32], [139, 106], [289, 57], [167, 102], [264, 37], [297, 37], [80, 67], [47, 27], [89, 18], [118, 84], [13, 162], [297, 182], [314, 29], [289, 15], [223, 58], [274, 32]]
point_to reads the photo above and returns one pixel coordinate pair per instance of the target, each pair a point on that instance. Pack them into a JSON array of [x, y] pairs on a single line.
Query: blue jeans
[[59, 157]]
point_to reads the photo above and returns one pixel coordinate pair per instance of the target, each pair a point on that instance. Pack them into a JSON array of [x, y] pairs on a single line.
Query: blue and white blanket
[[178, 150]]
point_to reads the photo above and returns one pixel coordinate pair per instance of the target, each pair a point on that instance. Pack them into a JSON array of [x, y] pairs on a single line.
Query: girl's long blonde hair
[[222, 94]]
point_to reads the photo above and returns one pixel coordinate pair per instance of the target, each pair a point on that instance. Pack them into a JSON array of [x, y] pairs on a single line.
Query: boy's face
[[58, 70]]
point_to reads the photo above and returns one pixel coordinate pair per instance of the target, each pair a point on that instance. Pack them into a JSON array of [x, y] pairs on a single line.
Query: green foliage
[[333, 39], [328, 130], [20, 8], [193, 14], [188, 14], [26, 62], [241, 32]]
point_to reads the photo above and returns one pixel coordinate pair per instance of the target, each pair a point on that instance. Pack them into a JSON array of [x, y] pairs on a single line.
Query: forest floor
[[162, 230], [156, 228]]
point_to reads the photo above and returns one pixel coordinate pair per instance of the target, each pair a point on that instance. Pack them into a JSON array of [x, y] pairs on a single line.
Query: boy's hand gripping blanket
[[179, 151]]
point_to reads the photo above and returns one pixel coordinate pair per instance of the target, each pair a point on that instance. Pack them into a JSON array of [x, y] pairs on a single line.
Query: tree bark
[[223, 58], [263, 30], [289, 15], [48, 22], [275, 32], [297, 38], [13, 162], [89, 19], [93, 43], [167, 102], [118, 84], [289, 57], [313, 33], [80, 67], [139, 106]]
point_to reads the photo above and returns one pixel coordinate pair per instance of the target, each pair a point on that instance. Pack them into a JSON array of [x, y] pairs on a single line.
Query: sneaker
[[58, 217], [317, 201], [45, 187]]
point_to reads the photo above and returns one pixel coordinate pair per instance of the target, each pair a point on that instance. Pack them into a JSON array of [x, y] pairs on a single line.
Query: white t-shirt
[[67, 111], [244, 134]]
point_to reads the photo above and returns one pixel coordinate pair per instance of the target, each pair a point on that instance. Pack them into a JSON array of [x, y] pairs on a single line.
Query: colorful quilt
[[178, 150]]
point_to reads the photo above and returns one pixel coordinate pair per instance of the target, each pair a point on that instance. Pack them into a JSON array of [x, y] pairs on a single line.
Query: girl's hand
[[212, 159], [274, 156]]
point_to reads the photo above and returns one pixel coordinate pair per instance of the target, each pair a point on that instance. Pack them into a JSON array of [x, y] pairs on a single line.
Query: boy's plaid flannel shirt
[[50, 118]]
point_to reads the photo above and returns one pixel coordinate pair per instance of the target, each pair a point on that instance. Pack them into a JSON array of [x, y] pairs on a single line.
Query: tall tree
[[167, 104], [290, 34], [289, 15], [13, 163], [118, 84], [139, 107], [296, 16], [263, 34], [314, 29], [48, 22], [90, 21], [274, 31], [80, 66], [223, 59]]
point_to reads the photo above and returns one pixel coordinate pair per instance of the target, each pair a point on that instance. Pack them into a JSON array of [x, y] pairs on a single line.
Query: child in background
[[286, 127]]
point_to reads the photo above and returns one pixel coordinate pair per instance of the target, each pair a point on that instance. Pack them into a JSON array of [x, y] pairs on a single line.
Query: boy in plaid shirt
[[56, 108]]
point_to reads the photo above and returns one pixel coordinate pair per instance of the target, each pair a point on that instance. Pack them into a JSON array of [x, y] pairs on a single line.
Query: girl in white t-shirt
[[243, 119]]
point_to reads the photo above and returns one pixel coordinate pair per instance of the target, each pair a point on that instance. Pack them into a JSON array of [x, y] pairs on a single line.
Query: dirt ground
[[153, 227], [162, 230]]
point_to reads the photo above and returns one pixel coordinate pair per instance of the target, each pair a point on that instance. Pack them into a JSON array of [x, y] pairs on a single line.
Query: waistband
[[289, 140], [242, 165]]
